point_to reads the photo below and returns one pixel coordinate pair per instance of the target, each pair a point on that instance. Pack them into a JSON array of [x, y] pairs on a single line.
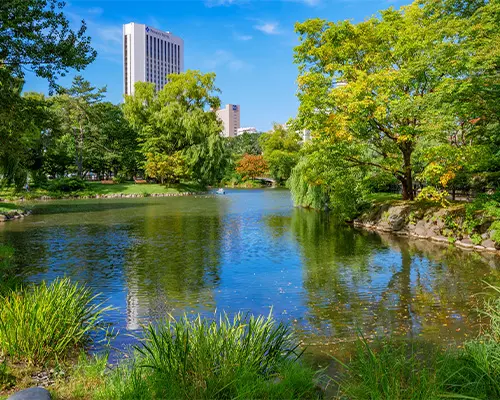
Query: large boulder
[[35, 393]]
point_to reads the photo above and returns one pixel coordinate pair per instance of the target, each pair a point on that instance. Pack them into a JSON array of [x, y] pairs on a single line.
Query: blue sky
[[248, 43]]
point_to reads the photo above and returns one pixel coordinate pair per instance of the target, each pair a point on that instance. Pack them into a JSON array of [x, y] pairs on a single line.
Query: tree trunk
[[80, 152], [407, 178]]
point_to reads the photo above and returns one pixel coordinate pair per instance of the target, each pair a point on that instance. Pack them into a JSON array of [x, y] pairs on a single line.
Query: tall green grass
[[243, 357], [418, 371], [40, 323]]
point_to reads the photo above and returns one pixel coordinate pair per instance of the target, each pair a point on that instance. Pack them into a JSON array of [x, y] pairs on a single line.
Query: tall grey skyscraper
[[149, 55]]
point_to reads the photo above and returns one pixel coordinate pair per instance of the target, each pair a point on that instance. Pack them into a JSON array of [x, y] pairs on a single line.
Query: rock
[[489, 244], [35, 393], [441, 239], [485, 236], [465, 243], [420, 229], [3, 218]]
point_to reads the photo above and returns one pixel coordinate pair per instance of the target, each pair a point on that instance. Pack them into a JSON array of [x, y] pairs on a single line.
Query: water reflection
[[252, 251]]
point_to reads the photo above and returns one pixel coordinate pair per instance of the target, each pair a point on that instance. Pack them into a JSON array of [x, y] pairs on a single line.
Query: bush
[[46, 322], [67, 185], [120, 178], [239, 358]]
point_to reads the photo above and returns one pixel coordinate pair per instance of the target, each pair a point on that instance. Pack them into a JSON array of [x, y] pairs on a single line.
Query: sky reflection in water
[[252, 251]]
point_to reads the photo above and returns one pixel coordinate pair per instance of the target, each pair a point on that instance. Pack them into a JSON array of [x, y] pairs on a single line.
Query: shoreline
[[19, 214], [428, 223], [436, 239], [111, 196]]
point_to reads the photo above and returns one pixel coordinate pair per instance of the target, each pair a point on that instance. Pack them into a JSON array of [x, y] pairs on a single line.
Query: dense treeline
[[170, 135], [409, 97]]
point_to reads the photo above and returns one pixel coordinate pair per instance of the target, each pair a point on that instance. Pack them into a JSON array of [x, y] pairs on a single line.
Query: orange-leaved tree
[[251, 166]]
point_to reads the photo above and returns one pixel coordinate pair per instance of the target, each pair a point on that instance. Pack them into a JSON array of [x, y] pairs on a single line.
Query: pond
[[252, 251]]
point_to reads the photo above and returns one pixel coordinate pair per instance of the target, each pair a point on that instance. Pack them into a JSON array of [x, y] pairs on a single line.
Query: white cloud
[[269, 28]]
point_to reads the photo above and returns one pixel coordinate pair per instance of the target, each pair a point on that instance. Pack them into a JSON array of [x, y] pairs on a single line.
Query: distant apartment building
[[230, 117], [249, 129], [149, 55]]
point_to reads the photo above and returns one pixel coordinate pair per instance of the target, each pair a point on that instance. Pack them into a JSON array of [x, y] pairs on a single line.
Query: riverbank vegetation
[[78, 188], [406, 99]]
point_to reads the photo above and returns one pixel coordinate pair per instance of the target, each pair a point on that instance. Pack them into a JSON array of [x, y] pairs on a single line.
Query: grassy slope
[[5, 208], [103, 189]]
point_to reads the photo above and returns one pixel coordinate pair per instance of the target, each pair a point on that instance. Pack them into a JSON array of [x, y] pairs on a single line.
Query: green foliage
[[67, 185], [476, 238], [281, 151], [385, 90], [180, 119], [47, 322], [34, 35], [166, 168], [305, 192], [317, 185], [431, 195], [242, 357], [247, 143]]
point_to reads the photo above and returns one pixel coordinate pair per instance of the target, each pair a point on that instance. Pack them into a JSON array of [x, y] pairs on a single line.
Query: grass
[[7, 208], [243, 357], [43, 323], [417, 371], [98, 188], [382, 197]]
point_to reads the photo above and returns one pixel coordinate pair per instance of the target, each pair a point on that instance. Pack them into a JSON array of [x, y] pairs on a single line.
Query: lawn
[[98, 188], [383, 197], [150, 188], [5, 208]]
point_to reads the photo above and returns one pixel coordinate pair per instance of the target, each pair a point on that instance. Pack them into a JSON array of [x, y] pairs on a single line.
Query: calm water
[[252, 251]]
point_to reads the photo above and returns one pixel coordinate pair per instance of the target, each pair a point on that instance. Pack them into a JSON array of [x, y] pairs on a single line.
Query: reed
[[41, 323]]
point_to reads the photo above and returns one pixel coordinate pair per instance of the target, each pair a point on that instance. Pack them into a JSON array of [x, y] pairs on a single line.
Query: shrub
[[120, 178], [246, 357], [41, 323], [67, 185]]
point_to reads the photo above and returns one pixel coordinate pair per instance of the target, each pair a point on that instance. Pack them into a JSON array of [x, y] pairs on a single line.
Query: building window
[[178, 58]]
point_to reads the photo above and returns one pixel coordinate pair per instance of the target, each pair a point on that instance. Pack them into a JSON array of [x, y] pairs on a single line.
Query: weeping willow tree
[[180, 119], [322, 182]]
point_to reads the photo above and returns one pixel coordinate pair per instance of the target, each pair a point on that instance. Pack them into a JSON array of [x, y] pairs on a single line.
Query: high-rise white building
[[230, 117], [149, 55]]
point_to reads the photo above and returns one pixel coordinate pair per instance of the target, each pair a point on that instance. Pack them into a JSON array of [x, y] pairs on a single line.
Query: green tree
[[78, 113], [166, 168], [247, 143], [281, 151], [34, 35], [382, 90], [181, 118]]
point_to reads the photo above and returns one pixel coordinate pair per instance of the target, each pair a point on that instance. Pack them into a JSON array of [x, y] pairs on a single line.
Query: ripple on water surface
[[252, 251]]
